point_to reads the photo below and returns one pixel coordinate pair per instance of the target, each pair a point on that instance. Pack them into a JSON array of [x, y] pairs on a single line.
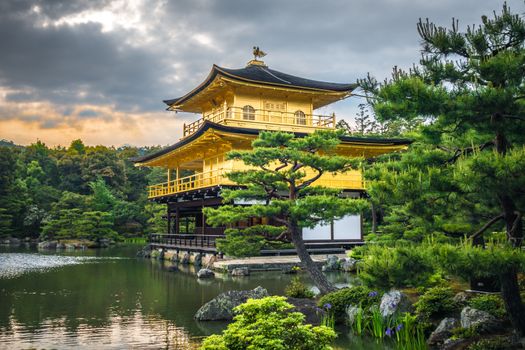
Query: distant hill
[[9, 143]]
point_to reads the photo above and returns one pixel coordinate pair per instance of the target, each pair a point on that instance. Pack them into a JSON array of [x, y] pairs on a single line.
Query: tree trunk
[[315, 272], [374, 217], [511, 296], [510, 291]]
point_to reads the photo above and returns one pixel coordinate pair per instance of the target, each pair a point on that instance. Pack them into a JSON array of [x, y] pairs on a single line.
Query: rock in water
[[221, 307], [47, 245], [394, 301], [482, 321], [443, 331], [349, 265], [205, 273], [308, 307], [240, 271], [351, 314], [332, 263]]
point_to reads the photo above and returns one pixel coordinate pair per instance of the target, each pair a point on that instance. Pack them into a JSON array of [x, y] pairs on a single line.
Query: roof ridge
[[273, 75]]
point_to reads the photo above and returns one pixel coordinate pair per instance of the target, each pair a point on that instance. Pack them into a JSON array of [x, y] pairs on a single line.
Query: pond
[[108, 299]]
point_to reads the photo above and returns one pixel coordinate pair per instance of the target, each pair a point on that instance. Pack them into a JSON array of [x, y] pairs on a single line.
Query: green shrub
[[267, 324], [493, 304], [436, 302], [297, 289], [386, 267], [339, 300]]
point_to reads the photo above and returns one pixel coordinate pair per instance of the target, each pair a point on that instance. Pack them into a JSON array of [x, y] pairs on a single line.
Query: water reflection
[[86, 300]]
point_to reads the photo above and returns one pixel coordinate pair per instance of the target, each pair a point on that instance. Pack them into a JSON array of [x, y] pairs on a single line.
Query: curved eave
[[346, 141], [342, 91]]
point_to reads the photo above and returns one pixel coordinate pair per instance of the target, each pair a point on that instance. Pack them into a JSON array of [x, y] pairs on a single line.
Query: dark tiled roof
[[246, 131], [264, 75]]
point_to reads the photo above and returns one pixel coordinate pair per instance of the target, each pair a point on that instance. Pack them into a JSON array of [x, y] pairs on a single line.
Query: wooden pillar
[[203, 219], [177, 179], [177, 220], [199, 220], [169, 218]]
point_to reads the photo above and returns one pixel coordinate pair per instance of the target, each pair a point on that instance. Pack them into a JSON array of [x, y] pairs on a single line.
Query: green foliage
[[268, 324], [467, 261], [342, 298], [247, 241], [307, 204], [400, 266], [94, 225], [101, 199], [493, 304], [40, 187], [297, 289], [436, 302]]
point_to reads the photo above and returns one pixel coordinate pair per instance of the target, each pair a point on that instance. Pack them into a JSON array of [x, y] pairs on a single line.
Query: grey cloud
[[335, 40]]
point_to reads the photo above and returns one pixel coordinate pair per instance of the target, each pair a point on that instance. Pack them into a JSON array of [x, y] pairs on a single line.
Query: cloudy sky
[[99, 69]]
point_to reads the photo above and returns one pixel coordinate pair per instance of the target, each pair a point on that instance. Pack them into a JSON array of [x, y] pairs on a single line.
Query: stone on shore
[[240, 271], [393, 302], [443, 331], [46, 245], [221, 307], [482, 321]]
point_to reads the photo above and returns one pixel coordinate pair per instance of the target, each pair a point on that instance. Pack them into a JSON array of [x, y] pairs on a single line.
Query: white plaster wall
[[318, 232], [348, 227]]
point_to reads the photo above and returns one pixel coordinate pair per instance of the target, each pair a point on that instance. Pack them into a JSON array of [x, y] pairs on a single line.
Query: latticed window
[[300, 118], [248, 112]]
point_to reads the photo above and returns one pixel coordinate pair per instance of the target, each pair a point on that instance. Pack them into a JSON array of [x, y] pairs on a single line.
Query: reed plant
[[409, 334], [359, 321], [377, 323], [328, 319]]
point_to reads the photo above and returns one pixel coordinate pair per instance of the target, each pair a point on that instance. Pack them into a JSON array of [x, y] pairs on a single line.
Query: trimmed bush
[[436, 302], [339, 300], [406, 266], [493, 304], [268, 324], [297, 289]]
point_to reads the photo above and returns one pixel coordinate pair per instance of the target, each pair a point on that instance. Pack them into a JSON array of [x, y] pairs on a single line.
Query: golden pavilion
[[234, 106]]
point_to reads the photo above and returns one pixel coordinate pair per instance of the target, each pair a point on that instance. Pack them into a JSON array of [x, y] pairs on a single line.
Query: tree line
[[81, 191]]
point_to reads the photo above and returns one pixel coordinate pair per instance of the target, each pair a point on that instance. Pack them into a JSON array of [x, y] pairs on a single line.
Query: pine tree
[[282, 175], [470, 88], [365, 124]]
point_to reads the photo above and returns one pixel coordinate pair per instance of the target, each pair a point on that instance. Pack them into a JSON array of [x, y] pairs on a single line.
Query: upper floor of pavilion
[[258, 97]]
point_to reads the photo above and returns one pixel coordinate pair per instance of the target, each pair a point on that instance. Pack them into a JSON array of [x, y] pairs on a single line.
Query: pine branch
[[465, 151], [487, 225]]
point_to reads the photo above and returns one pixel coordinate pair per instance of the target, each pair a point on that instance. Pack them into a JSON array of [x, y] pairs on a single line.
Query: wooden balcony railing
[[184, 240], [264, 116], [192, 182], [218, 177]]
